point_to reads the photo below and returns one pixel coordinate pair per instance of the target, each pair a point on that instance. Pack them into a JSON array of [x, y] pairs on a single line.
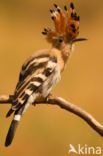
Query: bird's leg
[[45, 100], [50, 96]]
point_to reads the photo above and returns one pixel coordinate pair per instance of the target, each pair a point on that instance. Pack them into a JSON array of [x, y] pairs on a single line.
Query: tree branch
[[67, 106]]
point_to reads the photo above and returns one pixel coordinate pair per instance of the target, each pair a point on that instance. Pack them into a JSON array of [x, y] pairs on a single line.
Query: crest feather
[[66, 23]]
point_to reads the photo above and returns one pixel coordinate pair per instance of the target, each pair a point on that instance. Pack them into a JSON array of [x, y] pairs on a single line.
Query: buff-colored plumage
[[41, 72]]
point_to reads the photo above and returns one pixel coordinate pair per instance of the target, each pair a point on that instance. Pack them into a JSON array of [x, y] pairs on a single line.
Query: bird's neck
[[62, 55], [65, 52]]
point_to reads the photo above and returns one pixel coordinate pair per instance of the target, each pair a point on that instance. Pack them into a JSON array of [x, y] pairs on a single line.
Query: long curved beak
[[79, 39]]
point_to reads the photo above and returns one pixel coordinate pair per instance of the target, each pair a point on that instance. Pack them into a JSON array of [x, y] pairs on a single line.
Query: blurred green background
[[48, 130]]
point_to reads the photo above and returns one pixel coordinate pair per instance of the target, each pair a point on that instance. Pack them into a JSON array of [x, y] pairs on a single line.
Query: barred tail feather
[[11, 132], [9, 112], [13, 126]]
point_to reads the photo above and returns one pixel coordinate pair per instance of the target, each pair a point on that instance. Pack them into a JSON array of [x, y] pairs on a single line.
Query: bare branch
[[67, 106], [6, 99]]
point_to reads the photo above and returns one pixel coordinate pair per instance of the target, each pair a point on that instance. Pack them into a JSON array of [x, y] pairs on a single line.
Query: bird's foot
[[49, 97]]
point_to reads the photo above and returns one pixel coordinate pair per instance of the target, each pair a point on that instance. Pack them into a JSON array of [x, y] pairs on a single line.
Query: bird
[[42, 71]]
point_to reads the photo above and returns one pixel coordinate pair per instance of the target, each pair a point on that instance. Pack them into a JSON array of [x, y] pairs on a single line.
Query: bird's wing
[[34, 73], [30, 65]]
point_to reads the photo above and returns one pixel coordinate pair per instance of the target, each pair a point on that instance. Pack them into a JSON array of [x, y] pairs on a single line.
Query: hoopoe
[[41, 72]]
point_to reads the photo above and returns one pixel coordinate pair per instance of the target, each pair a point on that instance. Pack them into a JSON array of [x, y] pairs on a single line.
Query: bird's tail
[[9, 112], [13, 126]]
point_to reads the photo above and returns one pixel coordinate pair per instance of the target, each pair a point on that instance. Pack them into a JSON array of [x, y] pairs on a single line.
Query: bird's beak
[[79, 39]]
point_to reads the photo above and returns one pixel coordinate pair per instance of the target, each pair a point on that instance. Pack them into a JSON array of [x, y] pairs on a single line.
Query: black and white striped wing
[[31, 65], [35, 72]]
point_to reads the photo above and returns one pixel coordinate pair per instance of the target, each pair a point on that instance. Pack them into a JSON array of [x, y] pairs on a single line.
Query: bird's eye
[[60, 40]]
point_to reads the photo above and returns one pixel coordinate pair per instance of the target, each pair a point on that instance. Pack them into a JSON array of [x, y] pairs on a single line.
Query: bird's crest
[[66, 23]]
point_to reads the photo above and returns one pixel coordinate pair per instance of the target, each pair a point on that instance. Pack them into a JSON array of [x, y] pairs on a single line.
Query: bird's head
[[66, 26]]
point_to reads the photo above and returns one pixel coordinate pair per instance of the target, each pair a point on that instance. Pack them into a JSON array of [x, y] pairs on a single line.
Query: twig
[[67, 106]]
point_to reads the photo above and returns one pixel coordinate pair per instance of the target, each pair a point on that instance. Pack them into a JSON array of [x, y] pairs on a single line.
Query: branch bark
[[88, 118]]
